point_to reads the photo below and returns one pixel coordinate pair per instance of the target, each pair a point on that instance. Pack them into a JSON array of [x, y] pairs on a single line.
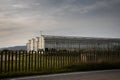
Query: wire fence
[[20, 61]]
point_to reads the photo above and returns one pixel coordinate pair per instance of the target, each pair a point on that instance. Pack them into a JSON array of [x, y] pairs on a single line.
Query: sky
[[21, 20]]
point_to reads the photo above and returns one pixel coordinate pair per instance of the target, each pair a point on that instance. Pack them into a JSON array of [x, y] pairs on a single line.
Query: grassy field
[[15, 65], [37, 62], [70, 68]]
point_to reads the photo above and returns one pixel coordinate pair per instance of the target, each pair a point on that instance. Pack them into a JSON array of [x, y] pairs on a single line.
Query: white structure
[[47, 42]]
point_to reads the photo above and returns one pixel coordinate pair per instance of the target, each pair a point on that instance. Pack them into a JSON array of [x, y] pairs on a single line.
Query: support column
[[33, 40], [34, 44], [38, 43], [30, 45]]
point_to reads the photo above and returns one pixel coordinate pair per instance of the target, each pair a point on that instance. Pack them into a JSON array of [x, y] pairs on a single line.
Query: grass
[[30, 63], [38, 64], [94, 66], [70, 68]]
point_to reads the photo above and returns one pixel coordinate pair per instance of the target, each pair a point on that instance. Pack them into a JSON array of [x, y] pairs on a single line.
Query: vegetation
[[15, 64], [70, 68]]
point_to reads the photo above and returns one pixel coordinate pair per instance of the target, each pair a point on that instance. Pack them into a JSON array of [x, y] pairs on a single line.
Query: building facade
[[48, 42]]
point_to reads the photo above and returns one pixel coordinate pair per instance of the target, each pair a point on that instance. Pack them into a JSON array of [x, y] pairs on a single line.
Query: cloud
[[19, 6], [97, 5], [21, 20]]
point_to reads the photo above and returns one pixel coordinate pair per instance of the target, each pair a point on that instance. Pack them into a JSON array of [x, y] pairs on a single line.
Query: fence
[[20, 61]]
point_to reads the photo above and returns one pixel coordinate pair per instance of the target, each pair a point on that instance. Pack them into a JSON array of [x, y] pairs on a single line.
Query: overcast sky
[[21, 20]]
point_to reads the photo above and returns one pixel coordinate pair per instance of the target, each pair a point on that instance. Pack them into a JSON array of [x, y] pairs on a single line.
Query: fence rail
[[20, 61]]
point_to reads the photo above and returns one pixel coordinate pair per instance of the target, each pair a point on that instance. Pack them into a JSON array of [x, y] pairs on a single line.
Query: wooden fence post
[[1, 62], [19, 55], [29, 60], [16, 60], [5, 63], [12, 63], [8, 61], [38, 52]]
